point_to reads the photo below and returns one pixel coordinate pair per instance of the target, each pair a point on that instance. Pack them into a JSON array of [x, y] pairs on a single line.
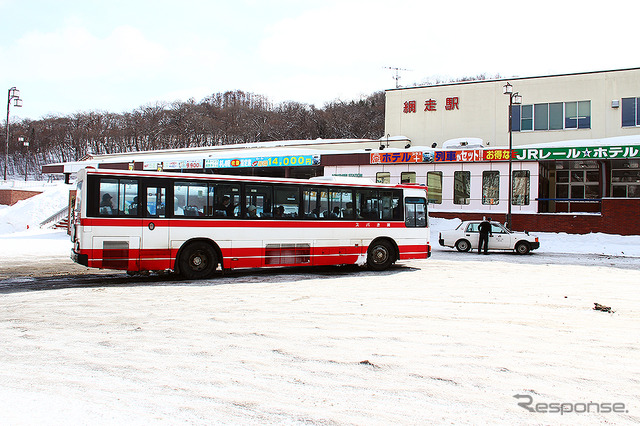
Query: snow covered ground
[[447, 340]]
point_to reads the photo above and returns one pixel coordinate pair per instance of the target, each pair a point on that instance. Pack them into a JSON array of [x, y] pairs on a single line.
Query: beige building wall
[[482, 110]]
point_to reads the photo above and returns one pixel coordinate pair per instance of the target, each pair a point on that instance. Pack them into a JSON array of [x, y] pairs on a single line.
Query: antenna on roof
[[397, 76]]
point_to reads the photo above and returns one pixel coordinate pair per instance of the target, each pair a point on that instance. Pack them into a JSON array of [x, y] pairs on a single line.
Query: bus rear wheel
[[198, 261], [380, 255]]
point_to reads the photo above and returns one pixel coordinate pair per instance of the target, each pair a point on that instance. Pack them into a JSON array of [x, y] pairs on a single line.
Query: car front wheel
[[523, 247]]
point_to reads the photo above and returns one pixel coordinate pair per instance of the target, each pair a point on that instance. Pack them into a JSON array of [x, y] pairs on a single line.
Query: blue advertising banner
[[276, 161]]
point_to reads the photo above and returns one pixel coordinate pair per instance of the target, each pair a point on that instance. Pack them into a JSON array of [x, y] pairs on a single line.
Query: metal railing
[[55, 218]]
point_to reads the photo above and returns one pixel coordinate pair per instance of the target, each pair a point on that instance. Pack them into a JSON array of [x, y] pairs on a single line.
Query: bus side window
[[224, 200], [128, 197], [415, 212], [390, 201], [287, 202], [108, 197], [340, 204], [259, 196], [367, 204], [156, 201], [117, 197]]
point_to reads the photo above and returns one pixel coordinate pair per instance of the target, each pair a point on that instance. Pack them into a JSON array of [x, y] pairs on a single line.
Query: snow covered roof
[[261, 149], [314, 147]]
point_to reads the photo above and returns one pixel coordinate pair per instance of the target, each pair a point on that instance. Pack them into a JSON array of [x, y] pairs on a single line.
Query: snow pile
[[593, 243], [29, 213]]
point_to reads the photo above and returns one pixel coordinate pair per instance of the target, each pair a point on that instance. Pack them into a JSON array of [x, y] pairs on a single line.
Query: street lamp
[[25, 143], [514, 99], [13, 95]]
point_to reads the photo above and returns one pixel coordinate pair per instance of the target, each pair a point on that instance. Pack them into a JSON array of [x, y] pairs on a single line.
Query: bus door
[[155, 253]]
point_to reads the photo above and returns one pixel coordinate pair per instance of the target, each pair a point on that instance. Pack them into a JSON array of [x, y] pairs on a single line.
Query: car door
[[472, 234], [499, 239]]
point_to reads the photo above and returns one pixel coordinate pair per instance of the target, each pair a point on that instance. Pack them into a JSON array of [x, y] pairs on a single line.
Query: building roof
[[504, 79]]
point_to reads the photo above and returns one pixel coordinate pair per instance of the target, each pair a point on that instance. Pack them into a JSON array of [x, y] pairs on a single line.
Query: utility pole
[[397, 76]]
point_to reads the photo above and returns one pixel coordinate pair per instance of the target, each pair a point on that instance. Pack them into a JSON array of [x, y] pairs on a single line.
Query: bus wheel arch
[[382, 253], [198, 259]]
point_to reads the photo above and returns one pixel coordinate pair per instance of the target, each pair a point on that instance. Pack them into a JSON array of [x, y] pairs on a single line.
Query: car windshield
[[498, 229]]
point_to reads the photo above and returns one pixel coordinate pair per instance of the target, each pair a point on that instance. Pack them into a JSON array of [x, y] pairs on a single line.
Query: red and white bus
[[195, 224]]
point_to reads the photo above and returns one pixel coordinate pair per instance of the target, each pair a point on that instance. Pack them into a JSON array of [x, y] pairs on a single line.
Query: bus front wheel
[[198, 261], [380, 255]]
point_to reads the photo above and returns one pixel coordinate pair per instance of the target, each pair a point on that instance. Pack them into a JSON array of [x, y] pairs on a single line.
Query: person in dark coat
[[485, 232], [227, 206], [106, 205]]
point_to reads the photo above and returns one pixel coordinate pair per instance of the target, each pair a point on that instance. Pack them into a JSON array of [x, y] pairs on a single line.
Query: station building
[[575, 141], [573, 150]]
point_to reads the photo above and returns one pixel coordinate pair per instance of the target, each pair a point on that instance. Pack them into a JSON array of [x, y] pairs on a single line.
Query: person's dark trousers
[[484, 241]]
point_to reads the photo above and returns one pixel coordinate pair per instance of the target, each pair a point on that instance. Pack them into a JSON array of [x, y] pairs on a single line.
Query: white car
[[465, 237]]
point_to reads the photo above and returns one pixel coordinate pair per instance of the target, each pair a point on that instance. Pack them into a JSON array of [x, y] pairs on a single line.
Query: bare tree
[[219, 119]]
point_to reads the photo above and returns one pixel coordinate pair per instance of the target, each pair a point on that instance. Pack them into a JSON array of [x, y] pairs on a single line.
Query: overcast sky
[[70, 56]]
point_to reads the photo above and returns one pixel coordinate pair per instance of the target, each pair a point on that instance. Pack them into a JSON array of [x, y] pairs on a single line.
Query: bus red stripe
[[224, 223], [249, 257]]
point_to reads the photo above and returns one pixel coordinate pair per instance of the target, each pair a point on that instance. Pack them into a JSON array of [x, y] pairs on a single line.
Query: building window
[[434, 187], [625, 179], [515, 118], [577, 115], [578, 180], [630, 112], [556, 111], [408, 177], [461, 187], [555, 116], [520, 188], [526, 118], [541, 116], [383, 177], [490, 187]]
